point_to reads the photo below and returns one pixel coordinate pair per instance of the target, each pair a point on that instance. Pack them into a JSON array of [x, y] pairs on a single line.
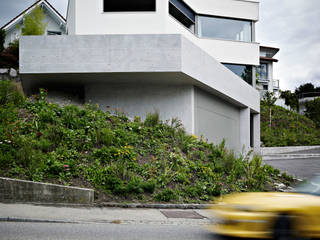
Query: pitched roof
[[46, 3]]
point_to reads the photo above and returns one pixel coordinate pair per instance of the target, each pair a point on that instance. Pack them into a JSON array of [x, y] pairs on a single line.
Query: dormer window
[[129, 6]]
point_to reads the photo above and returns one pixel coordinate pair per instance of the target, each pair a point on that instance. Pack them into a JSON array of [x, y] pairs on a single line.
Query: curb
[[119, 205], [154, 206], [289, 156], [30, 220]]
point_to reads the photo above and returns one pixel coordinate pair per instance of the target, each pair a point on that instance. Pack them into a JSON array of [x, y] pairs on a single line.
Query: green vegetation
[[122, 159], [33, 23], [286, 128], [313, 111]]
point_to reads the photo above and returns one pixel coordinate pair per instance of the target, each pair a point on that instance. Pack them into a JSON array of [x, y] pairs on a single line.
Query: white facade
[[146, 61], [266, 81], [55, 22], [87, 17]]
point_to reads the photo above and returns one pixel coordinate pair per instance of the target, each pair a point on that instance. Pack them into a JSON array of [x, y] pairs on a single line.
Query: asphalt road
[[93, 231], [300, 167]]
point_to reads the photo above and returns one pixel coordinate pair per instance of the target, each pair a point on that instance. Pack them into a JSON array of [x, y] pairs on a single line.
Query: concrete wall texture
[[147, 73], [217, 119], [12, 190], [170, 101], [87, 18]]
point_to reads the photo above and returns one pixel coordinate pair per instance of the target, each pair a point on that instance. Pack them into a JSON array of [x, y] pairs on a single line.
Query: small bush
[[9, 94], [152, 119], [166, 195]]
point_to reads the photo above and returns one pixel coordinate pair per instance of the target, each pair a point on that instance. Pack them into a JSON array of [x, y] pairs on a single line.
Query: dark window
[[243, 71], [183, 13], [265, 87], [53, 33], [262, 71], [129, 5]]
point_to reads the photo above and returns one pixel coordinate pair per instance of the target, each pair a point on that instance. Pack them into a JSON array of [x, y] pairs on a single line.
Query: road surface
[[94, 231], [298, 167]]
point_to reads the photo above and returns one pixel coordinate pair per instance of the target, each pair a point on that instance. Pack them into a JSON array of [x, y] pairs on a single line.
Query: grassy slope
[[287, 128], [124, 160]]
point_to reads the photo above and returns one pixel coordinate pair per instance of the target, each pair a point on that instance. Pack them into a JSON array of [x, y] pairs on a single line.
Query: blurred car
[[275, 215]]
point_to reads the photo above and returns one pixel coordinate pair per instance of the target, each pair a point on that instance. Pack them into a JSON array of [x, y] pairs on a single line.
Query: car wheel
[[282, 228]]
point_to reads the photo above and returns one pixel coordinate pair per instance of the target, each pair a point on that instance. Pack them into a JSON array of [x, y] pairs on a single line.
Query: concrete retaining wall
[[279, 150], [12, 190]]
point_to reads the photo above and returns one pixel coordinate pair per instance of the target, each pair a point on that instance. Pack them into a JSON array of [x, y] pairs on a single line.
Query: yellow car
[[275, 215]]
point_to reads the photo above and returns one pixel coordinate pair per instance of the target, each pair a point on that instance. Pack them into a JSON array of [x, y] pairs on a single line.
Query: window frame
[[227, 18], [135, 11], [194, 21]]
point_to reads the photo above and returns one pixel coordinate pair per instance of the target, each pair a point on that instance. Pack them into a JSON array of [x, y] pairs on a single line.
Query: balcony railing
[[276, 84], [309, 95]]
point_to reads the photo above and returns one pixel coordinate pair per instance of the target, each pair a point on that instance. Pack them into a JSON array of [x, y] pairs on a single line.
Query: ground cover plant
[[122, 159], [282, 127]]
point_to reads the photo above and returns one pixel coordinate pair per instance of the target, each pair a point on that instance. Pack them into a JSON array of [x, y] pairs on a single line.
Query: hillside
[[122, 159], [287, 128]]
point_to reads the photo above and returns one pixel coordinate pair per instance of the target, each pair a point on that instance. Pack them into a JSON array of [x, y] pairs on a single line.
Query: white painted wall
[[90, 19], [71, 17], [227, 8]]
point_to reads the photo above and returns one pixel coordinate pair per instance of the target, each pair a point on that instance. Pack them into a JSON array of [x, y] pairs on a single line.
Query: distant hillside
[[287, 128]]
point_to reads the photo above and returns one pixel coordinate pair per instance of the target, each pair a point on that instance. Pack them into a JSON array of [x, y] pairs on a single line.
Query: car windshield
[[312, 186]]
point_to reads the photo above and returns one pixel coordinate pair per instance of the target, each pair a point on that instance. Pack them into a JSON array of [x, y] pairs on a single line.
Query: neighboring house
[[144, 56], [304, 98], [265, 80], [56, 22]]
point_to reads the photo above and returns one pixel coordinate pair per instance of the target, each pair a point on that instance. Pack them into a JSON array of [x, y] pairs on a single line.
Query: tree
[[9, 58], [247, 74], [305, 88], [269, 99], [2, 39], [313, 111], [291, 99], [33, 23]]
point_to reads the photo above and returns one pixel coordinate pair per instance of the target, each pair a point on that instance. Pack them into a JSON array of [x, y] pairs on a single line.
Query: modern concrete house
[[170, 56], [265, 81], [306, 97], [56, 22]]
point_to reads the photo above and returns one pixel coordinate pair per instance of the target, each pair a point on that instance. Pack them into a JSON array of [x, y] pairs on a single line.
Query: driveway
[[298, 167]]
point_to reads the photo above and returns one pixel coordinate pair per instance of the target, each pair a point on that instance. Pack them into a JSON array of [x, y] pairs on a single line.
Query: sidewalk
[[34, 213]]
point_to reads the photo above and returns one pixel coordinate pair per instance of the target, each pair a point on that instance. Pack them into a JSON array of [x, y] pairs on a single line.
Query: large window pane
[[129, 6], [263, 71], [243, 71], [229, 29]]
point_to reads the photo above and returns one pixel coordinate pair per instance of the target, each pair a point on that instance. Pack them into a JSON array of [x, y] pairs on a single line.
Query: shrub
[[119, 158], [9, 94], [166, 195], [152, 119]]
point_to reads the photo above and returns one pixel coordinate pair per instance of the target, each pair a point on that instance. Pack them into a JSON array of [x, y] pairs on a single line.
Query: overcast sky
[[291, 25]]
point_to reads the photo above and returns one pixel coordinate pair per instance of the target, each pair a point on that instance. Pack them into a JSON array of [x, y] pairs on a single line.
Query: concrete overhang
[[154, 59]]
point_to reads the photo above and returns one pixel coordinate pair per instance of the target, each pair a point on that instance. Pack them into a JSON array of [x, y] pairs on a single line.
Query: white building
[[56, 24], [306, 97], [265, 81], [170, 56]]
